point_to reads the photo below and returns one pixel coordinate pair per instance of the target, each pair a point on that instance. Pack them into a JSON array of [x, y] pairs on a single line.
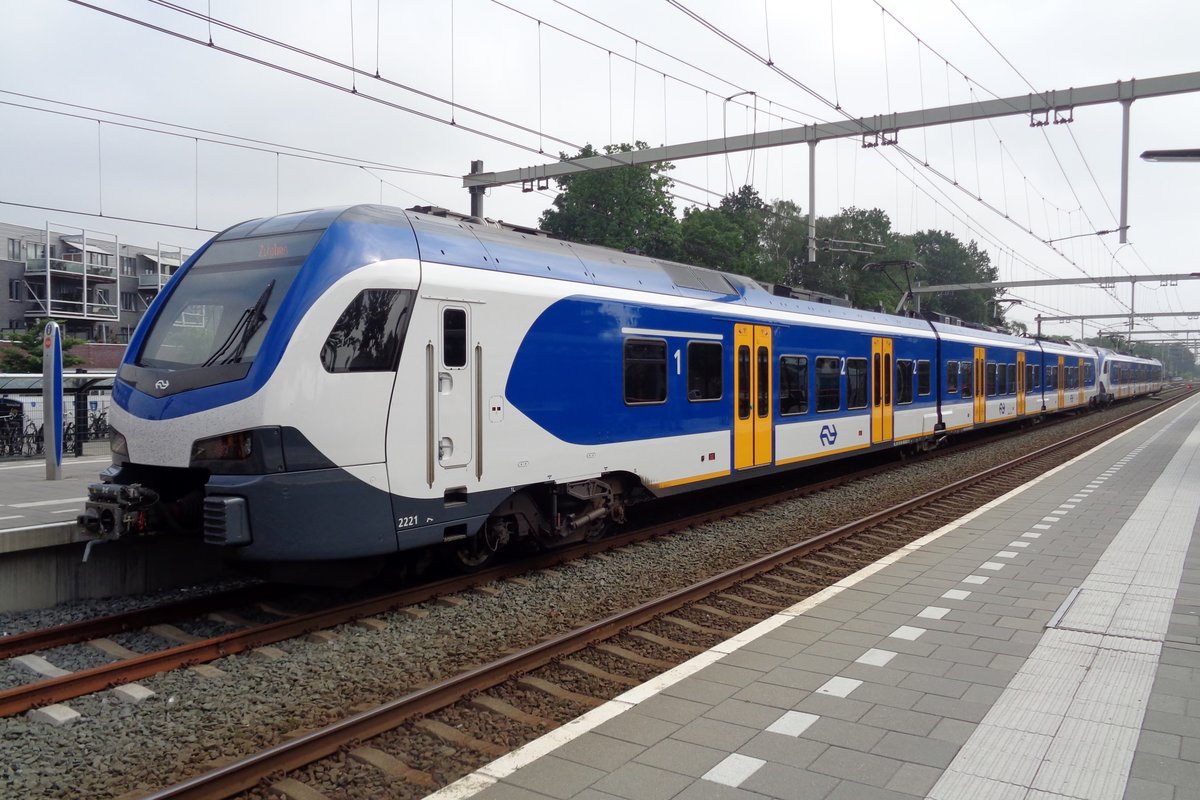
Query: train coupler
[[114, 511]]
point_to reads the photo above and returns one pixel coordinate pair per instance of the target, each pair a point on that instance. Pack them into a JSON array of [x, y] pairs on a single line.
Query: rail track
[[481, 710], [136, 667]]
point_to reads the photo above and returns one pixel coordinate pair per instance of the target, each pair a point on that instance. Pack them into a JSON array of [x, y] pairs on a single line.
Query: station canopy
[[73, 382]]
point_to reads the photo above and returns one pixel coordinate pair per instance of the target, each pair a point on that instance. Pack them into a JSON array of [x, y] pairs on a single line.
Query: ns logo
[[828, 435]]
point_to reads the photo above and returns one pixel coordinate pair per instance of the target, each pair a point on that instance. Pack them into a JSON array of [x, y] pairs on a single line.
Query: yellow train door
[[753, 418], [1020, 384], [980, 385], [881, 390]]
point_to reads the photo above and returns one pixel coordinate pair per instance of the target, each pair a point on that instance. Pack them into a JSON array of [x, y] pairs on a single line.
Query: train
[[348, 384]]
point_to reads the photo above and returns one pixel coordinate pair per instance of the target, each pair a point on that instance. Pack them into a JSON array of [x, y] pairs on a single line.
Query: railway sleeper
[[559, 692], [629, 655], [454, 736], [596, 672], [663, 641], [745, 601], [390, 766], [505, 709]]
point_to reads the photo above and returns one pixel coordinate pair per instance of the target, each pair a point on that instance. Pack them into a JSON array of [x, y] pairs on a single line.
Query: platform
[[1045, 646], [29, 502]]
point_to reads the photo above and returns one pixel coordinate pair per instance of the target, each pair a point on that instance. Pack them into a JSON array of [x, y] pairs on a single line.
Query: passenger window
[[764, 382], [1089, 374], [951, 377], [369, 335], [454, 337], [904, 381], [645, 371], [922, 378], [1001, 380], [743, 380], [829, 388], [990, 378], [1030, 378], [856, 383], [793, 385], [968, 379], [1012, 378], [705, 376]]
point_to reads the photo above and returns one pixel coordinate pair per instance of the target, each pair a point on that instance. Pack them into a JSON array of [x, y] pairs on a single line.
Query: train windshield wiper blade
[[247, 325]]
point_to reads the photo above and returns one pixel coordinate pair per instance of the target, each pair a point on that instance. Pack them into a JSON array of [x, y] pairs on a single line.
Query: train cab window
[[793, 385], [990, 378], [1031, 378], [923, 378], [369, 335], [904, 381], [1012, 378], [856, 383], [454, 337], [951, 377], [968, 379], [829, 386], [704, 375], [645, 371]]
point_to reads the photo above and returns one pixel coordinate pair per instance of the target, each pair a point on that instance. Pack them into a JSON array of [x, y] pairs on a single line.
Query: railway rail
[[696, 612], [75, 684]]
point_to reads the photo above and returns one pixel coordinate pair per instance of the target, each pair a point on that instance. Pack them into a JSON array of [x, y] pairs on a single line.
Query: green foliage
[[730, 237], [947, 260], [628, 208], [26, 355]]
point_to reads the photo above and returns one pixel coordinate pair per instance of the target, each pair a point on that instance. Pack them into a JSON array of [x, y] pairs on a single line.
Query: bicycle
[[98, 425], [33, 442]]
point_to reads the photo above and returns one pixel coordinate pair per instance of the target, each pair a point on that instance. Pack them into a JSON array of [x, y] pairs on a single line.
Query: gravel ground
[[116, 749]]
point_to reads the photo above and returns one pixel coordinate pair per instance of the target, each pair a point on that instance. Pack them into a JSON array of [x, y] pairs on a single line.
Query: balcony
[[62, 267], [152, 281], [74, 309]]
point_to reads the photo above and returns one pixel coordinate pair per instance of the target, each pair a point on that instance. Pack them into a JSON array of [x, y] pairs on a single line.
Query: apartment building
[[95, 285]]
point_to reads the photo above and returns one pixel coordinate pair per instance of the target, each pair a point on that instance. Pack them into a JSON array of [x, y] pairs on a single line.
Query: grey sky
[[486, 57]]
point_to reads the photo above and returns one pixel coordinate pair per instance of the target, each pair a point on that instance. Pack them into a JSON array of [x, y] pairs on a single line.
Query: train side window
[[1012, 378], [369, 335], [1089, 374], [968, 379], [856, 383], [793, 385], [454, 337], [1030, 378], [951, 377], [1001, 380], [645, 371], [764, 382], [923, 378], [743, 382], [990, 379], [904, 381], [705, 377], [829, 387]]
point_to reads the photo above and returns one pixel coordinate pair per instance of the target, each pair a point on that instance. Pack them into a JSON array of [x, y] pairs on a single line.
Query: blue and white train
[[353, 382]]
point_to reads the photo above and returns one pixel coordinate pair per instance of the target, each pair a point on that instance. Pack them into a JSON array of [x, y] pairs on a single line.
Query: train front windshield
[[223, 307]]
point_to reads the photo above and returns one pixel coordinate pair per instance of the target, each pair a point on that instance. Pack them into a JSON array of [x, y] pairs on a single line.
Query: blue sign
[[828, 435]]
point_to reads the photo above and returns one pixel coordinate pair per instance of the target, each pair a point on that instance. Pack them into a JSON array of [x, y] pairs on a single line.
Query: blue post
[[52, 410]]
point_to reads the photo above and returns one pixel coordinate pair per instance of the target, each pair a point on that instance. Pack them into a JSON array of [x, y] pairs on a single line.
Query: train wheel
[[482, 549]]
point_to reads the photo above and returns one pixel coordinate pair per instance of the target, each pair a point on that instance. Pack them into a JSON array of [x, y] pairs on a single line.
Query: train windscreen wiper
[[247, 325]]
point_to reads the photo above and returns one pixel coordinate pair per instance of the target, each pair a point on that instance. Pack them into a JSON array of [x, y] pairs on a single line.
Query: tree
[[846, 243], [627, 208], [729, 237], [26, 354], [947, 260], [784, 242]]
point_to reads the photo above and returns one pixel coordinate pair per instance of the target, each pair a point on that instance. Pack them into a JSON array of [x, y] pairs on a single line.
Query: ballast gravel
[[117, 749]]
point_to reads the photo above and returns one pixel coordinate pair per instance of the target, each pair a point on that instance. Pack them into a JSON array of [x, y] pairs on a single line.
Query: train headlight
[[117, 443], [253, 452]]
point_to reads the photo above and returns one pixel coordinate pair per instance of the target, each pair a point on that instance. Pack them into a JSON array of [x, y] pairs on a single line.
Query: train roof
[[449, 238]]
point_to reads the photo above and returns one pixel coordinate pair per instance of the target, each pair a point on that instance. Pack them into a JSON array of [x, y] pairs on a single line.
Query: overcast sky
[[642, 70]]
